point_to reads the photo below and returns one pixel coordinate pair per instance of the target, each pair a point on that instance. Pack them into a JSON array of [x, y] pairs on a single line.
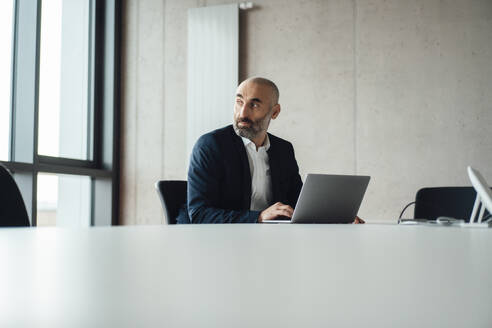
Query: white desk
[[246, 276]]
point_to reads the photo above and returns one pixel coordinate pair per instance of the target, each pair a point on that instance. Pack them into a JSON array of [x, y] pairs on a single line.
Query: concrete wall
[[399, 90]]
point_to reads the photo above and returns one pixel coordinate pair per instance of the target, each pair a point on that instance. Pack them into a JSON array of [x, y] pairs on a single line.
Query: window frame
[[102, 167]]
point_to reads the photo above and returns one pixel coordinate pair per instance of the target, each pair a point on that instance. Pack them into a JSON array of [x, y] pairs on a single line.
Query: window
[[47, 198], [63, 200], [6, 14], [63, 98], [64, 71]]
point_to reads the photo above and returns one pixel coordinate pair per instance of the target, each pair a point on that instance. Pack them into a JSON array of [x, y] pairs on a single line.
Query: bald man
[[241, 173]]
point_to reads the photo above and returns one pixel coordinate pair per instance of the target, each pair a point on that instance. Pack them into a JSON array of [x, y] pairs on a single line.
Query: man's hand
[[274, 211], [358, 220]]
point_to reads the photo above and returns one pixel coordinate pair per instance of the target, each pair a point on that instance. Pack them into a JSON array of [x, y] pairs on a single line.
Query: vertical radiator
[[213, 41]]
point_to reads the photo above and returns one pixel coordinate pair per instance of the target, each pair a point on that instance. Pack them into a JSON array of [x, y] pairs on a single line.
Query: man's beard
[[255, 128]]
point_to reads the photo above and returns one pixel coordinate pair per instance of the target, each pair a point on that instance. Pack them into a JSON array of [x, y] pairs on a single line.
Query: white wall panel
[[213, 40], [142, 117]]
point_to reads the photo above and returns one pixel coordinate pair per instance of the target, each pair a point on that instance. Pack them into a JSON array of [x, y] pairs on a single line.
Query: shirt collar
[[266, 144]]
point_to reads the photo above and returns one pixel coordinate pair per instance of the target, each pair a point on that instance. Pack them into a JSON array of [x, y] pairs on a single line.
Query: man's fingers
[[287, 211], [358, 220], [285, 207], [278, 209], [284, 213]]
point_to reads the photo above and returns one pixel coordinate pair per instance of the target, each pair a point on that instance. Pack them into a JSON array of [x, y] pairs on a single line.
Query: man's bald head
[[263, 81]]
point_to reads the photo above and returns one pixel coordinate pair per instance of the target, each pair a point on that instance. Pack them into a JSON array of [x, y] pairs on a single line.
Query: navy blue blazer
[[219, 178]]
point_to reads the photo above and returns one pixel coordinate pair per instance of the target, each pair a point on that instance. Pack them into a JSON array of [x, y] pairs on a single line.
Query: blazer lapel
[[246, 173], [274, 171]]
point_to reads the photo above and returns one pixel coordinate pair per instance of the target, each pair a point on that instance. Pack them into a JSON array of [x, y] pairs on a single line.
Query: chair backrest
[[13, 211], [173, 196], [484, 195], [456, 202]]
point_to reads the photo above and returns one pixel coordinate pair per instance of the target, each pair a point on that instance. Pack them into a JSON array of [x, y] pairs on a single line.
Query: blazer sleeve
[[204, 175], [295, 184]]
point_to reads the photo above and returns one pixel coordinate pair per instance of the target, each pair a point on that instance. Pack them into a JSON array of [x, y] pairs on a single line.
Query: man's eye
[[239, 102], [254, 105]]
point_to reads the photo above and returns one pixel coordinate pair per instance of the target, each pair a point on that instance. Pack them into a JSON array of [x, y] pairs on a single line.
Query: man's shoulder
[[226, 131], [213, 138]]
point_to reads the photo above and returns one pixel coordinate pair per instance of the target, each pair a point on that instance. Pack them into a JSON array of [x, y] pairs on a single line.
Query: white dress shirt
[[261, 183]]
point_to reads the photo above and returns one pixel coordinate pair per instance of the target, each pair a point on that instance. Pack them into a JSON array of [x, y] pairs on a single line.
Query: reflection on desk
[[246, 276]]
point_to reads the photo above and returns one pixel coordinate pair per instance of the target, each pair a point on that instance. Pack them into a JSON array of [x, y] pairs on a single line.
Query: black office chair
[[455, 202], [173, 197], [13, 211]]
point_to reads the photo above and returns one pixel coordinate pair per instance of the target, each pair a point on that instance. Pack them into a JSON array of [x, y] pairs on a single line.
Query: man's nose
[[244, 110]]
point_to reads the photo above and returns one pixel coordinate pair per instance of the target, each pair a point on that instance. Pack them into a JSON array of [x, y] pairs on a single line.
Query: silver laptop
[[327, 198]]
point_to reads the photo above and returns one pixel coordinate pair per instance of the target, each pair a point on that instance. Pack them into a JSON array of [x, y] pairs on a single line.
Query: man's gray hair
[[273, 86]]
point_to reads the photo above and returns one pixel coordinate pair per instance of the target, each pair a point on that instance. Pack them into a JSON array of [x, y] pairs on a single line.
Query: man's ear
[[275, 111]]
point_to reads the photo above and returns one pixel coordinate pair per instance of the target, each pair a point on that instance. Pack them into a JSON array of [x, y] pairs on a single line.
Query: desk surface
[[246, 276]]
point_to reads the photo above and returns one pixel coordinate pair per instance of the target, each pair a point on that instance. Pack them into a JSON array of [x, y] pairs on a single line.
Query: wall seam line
[[163, 119], [355, 70], [137, 66]]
